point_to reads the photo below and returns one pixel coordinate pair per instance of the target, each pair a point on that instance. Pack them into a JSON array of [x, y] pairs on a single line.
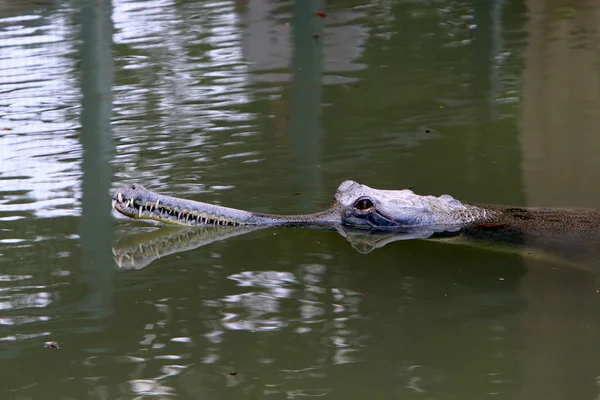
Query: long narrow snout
[[135, 201]]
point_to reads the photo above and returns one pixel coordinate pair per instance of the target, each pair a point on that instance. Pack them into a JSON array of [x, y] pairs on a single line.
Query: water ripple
[[40, 158], [202, 100]]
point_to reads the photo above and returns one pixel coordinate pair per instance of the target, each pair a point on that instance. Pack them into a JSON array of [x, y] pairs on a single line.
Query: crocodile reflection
[[137, 251]]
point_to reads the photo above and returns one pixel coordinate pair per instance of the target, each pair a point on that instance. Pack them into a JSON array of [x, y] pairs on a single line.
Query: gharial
[[357, 206]]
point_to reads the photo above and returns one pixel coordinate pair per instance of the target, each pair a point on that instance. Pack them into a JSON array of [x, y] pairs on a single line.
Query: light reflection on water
[[39, 154], [271, 302], [197, 97]]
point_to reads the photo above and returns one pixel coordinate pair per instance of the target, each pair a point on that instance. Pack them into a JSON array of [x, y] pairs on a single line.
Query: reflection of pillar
[[561, 162], [481, 84], [561, 145], [485, 134], [487, 45], [305, 119], [96, 222], [558, 337]]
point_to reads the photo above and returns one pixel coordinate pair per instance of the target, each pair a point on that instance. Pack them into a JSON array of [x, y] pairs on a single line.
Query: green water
[[265, 105]]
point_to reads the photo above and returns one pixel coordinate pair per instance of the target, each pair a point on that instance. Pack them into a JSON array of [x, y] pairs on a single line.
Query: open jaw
[[137, 202]]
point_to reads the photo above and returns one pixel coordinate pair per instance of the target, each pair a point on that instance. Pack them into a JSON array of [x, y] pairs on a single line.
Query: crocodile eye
[[364, 204]]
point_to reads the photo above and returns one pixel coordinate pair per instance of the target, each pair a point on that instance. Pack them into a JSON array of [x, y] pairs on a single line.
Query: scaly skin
[[354, 205], [570, 233], [359, 206]]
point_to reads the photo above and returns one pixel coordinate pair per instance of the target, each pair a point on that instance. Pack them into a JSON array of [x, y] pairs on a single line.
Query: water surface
[[267, 105]]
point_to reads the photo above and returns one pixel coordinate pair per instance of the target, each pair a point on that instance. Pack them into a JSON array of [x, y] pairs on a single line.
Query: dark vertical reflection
[[485, 79], [481, 85], [305, 124], [561, 154], [96, 223]]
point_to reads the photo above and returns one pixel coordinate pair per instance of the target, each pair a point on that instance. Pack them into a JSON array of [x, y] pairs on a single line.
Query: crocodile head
[[354, 206], [365, 207]]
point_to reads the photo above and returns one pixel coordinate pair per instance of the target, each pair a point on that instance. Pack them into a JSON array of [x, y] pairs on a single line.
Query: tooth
[[179, 215], [140, 214], [120, 262], [114, 203], [140, 247], [127, 203], [120, 197], [157, 203], [114, 251]]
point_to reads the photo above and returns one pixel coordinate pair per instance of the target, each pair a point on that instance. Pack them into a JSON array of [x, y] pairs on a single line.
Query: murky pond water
[[268, 105]]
